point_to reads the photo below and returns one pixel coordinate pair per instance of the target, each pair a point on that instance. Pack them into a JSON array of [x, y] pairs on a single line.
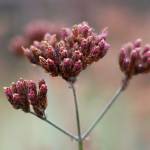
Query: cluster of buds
[[33, 31], [69, 54], [134, 59], [24, 94]]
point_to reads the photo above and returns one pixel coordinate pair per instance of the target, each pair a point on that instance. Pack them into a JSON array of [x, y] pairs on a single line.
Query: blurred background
[[126, 126]]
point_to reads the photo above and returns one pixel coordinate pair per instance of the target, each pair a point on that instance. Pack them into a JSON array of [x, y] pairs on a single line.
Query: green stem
[[80, 142], [106, 108], [58, 128]]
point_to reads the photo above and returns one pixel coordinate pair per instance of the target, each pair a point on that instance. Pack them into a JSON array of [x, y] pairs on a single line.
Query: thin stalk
[[57, 127], [80, 142], [106, 108]]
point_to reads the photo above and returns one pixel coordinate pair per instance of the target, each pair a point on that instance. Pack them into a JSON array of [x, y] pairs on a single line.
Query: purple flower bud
[[125, 65], [17, 101], [65, 32], [43, 90], [13, 87], [76, 55], [77, 67], [21, 87], [84, 29], [50, 53], [20, 102], [95, 52], [29, 55], [52, 67], [44, 63], [138, 43], [103, 34], [41, 82], [64, 54], [66, 68], [31, 85], [67, 64], [36, 52], [146, 48], [9, 94], [32, 96], [146, 56]]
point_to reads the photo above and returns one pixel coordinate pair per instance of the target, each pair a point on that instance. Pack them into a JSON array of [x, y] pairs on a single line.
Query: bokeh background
[[126, 126]]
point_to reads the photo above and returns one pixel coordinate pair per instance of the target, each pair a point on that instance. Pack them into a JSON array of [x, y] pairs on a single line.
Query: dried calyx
[[69, 54], [134, 59], [24, 94]]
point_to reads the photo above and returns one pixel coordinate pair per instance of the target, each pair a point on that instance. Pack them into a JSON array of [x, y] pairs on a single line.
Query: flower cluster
[[134, 59], [24, 93], [69, 54], [33, 31]]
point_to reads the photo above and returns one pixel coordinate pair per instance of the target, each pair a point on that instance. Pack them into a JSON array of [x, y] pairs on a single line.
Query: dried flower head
[[134, 59], [71, 53], [24, 93]]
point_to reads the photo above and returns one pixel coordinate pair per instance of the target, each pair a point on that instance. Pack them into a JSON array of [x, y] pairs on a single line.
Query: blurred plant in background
[[33, 31]]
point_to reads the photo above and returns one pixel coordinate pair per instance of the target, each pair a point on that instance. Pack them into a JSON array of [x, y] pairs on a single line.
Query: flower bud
[[52, 67], [77, 67], [77, 55], [9, 94], [41, 82], [30, 55], [44, 63], [138, 43], [43, 90]]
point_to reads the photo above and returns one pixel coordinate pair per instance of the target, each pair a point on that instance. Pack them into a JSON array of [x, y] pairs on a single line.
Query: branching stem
[[80, 142], [57, 127], [106, 108]]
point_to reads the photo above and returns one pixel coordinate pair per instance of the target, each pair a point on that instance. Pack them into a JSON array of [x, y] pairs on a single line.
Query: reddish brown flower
[[134, 59], [24, 93], [71, 53]]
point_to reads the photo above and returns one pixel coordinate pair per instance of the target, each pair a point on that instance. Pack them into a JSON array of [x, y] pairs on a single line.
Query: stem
[[80, 142], [58, 128], [106, 108]]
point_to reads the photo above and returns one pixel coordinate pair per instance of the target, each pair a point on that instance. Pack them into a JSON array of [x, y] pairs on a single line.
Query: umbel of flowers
[[69, 54], [23, 94], [134, 59]]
